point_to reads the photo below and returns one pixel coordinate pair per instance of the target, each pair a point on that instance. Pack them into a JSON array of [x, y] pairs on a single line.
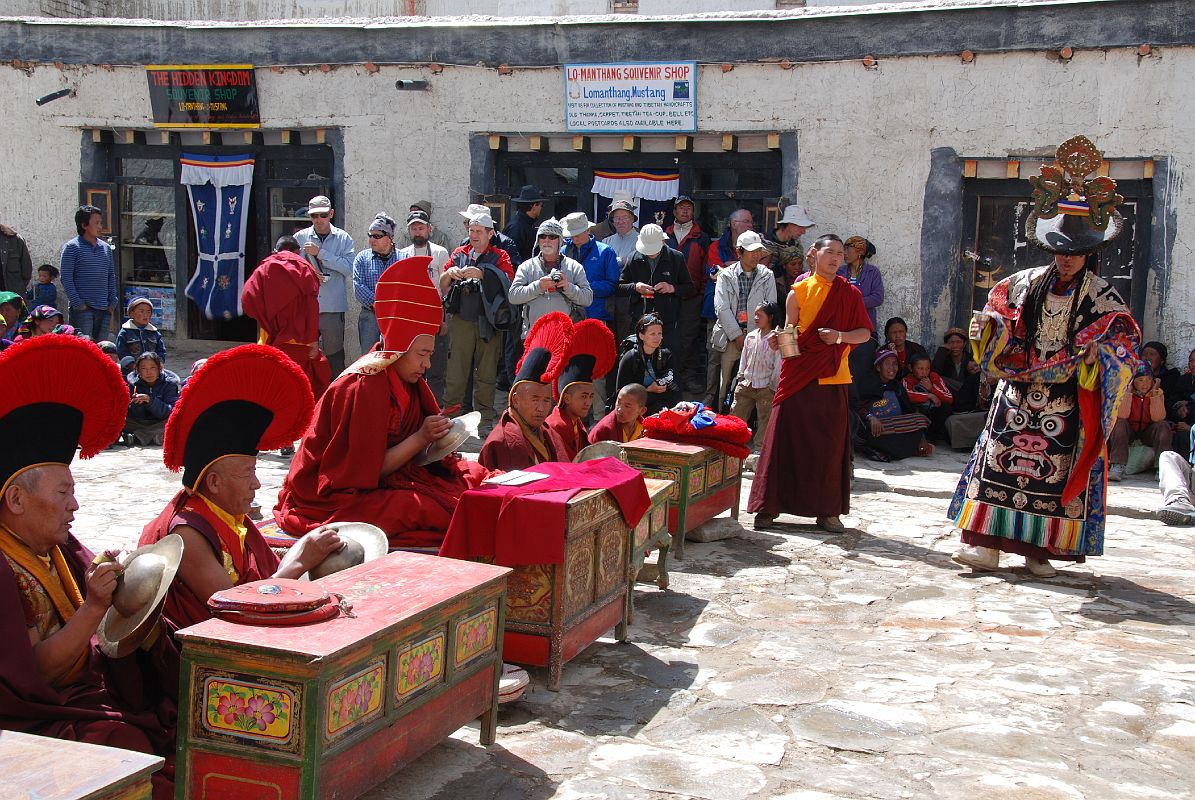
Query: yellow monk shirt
[[236, 525], [811, 293]]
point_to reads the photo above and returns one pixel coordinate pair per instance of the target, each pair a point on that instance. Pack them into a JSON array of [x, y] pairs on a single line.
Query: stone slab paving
[[791, 663]]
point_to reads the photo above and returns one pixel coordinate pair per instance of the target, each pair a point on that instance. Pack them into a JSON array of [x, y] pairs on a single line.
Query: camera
[[469, 285], [556, 275], [664, 380]]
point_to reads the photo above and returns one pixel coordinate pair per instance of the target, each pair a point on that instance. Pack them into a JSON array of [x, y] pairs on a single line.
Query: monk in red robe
[[590, 356], [282, 294], [805, 464], [624, 423], [360, 458], [54, 679], [521, 439], [238, 402]]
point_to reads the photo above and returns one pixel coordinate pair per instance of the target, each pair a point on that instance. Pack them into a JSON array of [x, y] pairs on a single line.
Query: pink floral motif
[[229, 707], [248, 709], [261, 712]]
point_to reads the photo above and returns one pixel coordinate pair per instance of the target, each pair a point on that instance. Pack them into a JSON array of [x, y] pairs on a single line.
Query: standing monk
[[360, 459], [1062, 343], [805, 465], [282, 294], [239, 401], [54, 679]]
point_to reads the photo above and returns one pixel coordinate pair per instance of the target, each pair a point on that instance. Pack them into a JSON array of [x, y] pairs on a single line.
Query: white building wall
[[864, 137]]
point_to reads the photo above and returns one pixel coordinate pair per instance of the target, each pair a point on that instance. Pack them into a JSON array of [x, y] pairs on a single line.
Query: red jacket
[[694, 248], [938, 389]]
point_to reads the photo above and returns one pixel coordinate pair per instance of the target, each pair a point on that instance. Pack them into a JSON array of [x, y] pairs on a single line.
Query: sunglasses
[[376, 235], [548, 236], [318, 215]]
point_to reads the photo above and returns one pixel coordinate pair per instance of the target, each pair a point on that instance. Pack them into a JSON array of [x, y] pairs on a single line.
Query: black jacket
[[631, 369], [670, 268], [15, 265], [521, 231]]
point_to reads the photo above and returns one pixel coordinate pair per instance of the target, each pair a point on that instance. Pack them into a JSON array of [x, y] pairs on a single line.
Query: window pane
[[147, 168]]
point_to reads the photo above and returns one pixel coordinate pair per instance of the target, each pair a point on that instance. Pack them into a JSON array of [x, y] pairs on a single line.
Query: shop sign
[[203, 96], [655, 97]]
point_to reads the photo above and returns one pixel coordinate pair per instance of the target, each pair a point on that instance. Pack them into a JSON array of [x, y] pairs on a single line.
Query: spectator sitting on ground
[[1155, 354], [41, 320], [153, 393], [1180, 412], [12, 311], [896, 332], [44, 292], [624, 423], [928, 394], [109, 349], [649, 364], [891, 429], [138, 335], [759, 373], [959, 370], [1141, 417], [1176, 480]]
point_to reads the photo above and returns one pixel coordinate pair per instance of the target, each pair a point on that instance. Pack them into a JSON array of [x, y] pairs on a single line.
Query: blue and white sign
[[655, 97]]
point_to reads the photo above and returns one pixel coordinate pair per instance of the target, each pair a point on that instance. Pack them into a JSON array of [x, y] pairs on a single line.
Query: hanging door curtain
[[218, 187], [653, 190]]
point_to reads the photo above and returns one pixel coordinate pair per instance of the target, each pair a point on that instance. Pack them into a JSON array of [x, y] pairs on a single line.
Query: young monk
[[590, 356], [623, 424]]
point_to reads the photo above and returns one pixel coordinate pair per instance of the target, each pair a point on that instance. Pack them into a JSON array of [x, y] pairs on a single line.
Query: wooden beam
[[630, 144], [1103, 169], [284, 136], [1147, 169], [729, 142], [581, 144], [683, 143], [97, 135], [1012, 169], [320, 135], [497, 142], [537, 144], [773, 141], [970, 168]]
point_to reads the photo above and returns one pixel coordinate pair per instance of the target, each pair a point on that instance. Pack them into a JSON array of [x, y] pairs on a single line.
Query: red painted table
[[59, 769], [330, 709], [706, 482]]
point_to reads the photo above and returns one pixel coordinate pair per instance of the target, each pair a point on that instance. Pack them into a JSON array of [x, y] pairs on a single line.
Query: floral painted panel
[[696, 481], [419, 665], [248, 709], [356, 699], [529, 593], [714, 472], [475, 635], [664, 474]]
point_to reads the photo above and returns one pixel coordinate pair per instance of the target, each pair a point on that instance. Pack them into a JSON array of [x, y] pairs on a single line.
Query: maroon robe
[[571, 432], [252, 563], [336, 472], [282, 294], [609, 429], [506, 447], [129, 702]]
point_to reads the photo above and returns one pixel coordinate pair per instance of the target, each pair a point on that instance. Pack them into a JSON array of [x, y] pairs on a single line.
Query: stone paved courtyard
[[798, 664]]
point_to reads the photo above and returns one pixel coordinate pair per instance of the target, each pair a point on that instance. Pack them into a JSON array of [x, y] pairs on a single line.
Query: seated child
[[928, 393], [44, 292], [138, 335], [759, 373], [888, 428], [153, 393], [623, 423], [109, 349], [1141, 417]]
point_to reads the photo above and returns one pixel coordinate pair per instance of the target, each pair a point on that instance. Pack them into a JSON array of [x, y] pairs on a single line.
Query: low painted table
[[651, 534], [328, 710], [706, 482], [554, 611], [59, 769]]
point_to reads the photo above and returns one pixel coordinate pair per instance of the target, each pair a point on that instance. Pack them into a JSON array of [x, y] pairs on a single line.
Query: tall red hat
[[240, 401], [544, 350], [407, 303], [591, 354], [62, 393]]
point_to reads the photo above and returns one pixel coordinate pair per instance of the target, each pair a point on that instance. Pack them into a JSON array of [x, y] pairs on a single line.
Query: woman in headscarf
[[41, 320], [896, 332], [863, 275], [1063, 345]]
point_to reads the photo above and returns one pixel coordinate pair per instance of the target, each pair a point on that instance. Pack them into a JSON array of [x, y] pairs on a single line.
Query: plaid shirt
[[759, 364], [368, 266], [745, 279]]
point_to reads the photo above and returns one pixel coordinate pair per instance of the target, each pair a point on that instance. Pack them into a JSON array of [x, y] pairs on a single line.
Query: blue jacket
[[602, 270], [163, 395], [132, 340]]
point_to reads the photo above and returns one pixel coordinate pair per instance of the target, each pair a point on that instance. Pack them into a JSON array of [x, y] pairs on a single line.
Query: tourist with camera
[[551, 281]]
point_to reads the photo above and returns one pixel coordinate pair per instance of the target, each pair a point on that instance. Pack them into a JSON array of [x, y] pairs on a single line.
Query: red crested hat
[[63, 393], [240, 401], [545, 349], [407, 303], [590, 354]]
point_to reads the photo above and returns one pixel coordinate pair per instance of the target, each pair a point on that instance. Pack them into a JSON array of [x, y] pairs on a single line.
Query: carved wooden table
[[330, 709], [651, 534], [706, 482], [554, 611], [59, 769]]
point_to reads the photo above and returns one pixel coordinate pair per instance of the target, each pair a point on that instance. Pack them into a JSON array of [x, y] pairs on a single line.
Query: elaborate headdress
[[407, 304], [590, 355], [240, 401], [63, 393], [1073, 214], [544, 350]]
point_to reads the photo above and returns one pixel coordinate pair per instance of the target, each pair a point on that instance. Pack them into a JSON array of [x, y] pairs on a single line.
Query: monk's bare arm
[[792, 309], [200, 569], [56, 654]]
